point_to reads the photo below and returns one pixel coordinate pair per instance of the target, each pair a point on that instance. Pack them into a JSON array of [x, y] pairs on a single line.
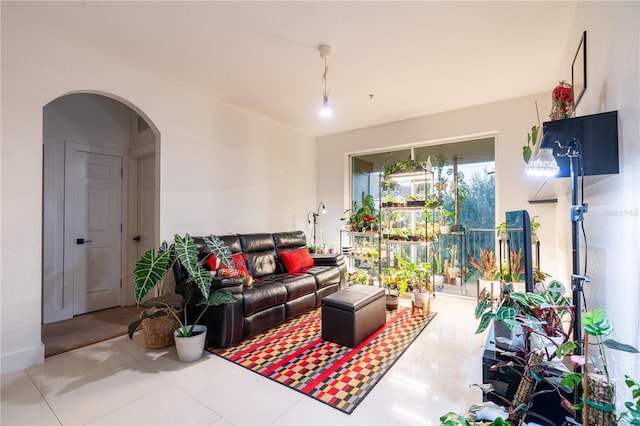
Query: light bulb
[[325, 109], [543, 164]]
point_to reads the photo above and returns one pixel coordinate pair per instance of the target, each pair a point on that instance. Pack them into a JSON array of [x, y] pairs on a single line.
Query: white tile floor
[[119, 382]]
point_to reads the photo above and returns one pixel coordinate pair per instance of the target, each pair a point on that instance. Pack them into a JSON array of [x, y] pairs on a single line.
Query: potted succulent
[[152, 268]]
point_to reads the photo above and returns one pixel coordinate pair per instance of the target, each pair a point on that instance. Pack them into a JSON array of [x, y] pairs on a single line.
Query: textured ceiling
[[415, 58]]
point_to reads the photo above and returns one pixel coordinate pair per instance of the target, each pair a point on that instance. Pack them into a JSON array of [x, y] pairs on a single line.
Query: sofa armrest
[[226, 282], [335, 259]]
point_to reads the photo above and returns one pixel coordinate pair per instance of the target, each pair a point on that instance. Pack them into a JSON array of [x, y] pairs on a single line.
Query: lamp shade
[[543, 164]]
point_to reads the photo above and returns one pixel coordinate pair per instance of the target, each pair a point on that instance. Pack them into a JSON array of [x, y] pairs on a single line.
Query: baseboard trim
[[22, 359]]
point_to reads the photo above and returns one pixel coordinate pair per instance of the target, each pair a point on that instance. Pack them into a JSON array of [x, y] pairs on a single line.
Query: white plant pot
[[445, 229], [191, 348], [421, 299], [489, 286], [438, 280]]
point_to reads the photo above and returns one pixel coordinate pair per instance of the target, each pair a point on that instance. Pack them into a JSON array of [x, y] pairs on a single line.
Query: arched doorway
[[99, 189]]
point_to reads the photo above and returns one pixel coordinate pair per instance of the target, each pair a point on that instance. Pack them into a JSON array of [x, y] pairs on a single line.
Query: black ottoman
[[351, 315]]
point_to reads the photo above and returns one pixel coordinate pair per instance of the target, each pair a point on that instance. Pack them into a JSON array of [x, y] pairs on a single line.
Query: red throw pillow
[[212, 263], [296, 260], [239, 263]]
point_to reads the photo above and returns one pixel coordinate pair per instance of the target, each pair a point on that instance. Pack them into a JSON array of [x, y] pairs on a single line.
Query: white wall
[[612, 224], [221, 169]]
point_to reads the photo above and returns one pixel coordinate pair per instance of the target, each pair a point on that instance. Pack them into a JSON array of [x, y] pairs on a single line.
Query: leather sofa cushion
[[289, 240], [263, 295], [233, 242], [256, 242], [324, 275], [297, 284], [263, 320], [261, 254]]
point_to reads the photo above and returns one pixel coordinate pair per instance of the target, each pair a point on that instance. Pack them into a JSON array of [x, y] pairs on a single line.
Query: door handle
[[82, 241], [136, 238]]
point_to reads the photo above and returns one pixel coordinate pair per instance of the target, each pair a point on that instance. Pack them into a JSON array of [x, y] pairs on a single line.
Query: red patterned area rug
[[295, 355]]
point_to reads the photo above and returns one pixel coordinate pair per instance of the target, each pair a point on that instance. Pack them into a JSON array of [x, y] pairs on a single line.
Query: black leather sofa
[[276, 295]]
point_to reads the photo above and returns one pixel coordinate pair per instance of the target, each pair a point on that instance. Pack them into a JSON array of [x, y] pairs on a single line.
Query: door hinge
[[122, 173], [120, 282]]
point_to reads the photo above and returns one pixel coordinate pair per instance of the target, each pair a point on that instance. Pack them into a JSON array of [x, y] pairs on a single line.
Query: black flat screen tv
[[598, 136]]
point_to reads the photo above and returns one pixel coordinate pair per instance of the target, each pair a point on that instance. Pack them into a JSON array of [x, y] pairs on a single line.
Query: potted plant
[[532, 139], [364, 218], [501, 231], [359, 276], [487, 266], [535, 225], [416, 275], [152, 268], [396, 286], [548, 314], [446, 219]]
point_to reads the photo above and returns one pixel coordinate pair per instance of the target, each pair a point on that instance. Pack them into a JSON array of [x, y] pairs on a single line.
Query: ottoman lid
[[354, 298]]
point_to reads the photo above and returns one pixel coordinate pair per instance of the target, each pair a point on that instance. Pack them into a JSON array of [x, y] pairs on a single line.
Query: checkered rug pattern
[[295, 355]]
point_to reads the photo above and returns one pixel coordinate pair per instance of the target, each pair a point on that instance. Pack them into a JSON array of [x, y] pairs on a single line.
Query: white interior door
[[146, 188], [97, 231]]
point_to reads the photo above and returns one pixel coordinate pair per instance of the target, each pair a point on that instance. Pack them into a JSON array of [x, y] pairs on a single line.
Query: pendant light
[[325, 108]]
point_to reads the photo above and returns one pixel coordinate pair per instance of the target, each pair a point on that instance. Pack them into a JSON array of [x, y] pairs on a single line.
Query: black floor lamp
[[544, 164], [312, 218]]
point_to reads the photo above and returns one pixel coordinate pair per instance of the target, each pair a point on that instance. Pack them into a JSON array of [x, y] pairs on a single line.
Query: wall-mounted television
[[598, 136]]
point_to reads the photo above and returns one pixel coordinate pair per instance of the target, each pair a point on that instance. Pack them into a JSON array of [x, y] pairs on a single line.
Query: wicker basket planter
[[158, 332]]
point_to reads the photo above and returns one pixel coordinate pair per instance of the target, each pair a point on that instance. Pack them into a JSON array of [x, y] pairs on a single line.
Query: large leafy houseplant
[[152, 268]]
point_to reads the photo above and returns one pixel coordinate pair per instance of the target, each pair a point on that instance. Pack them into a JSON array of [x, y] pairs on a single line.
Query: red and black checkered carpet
[[295, 355]]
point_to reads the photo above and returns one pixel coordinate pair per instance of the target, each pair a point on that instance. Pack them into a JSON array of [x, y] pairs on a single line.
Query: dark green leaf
[[485, 321], [133, 327], [203, 279], [506, 313], [614, 344], [558, 382], [526, 153], [149, 271], [187, 252], [483, 305], [220, 250], [565, 348], [571, 379]]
